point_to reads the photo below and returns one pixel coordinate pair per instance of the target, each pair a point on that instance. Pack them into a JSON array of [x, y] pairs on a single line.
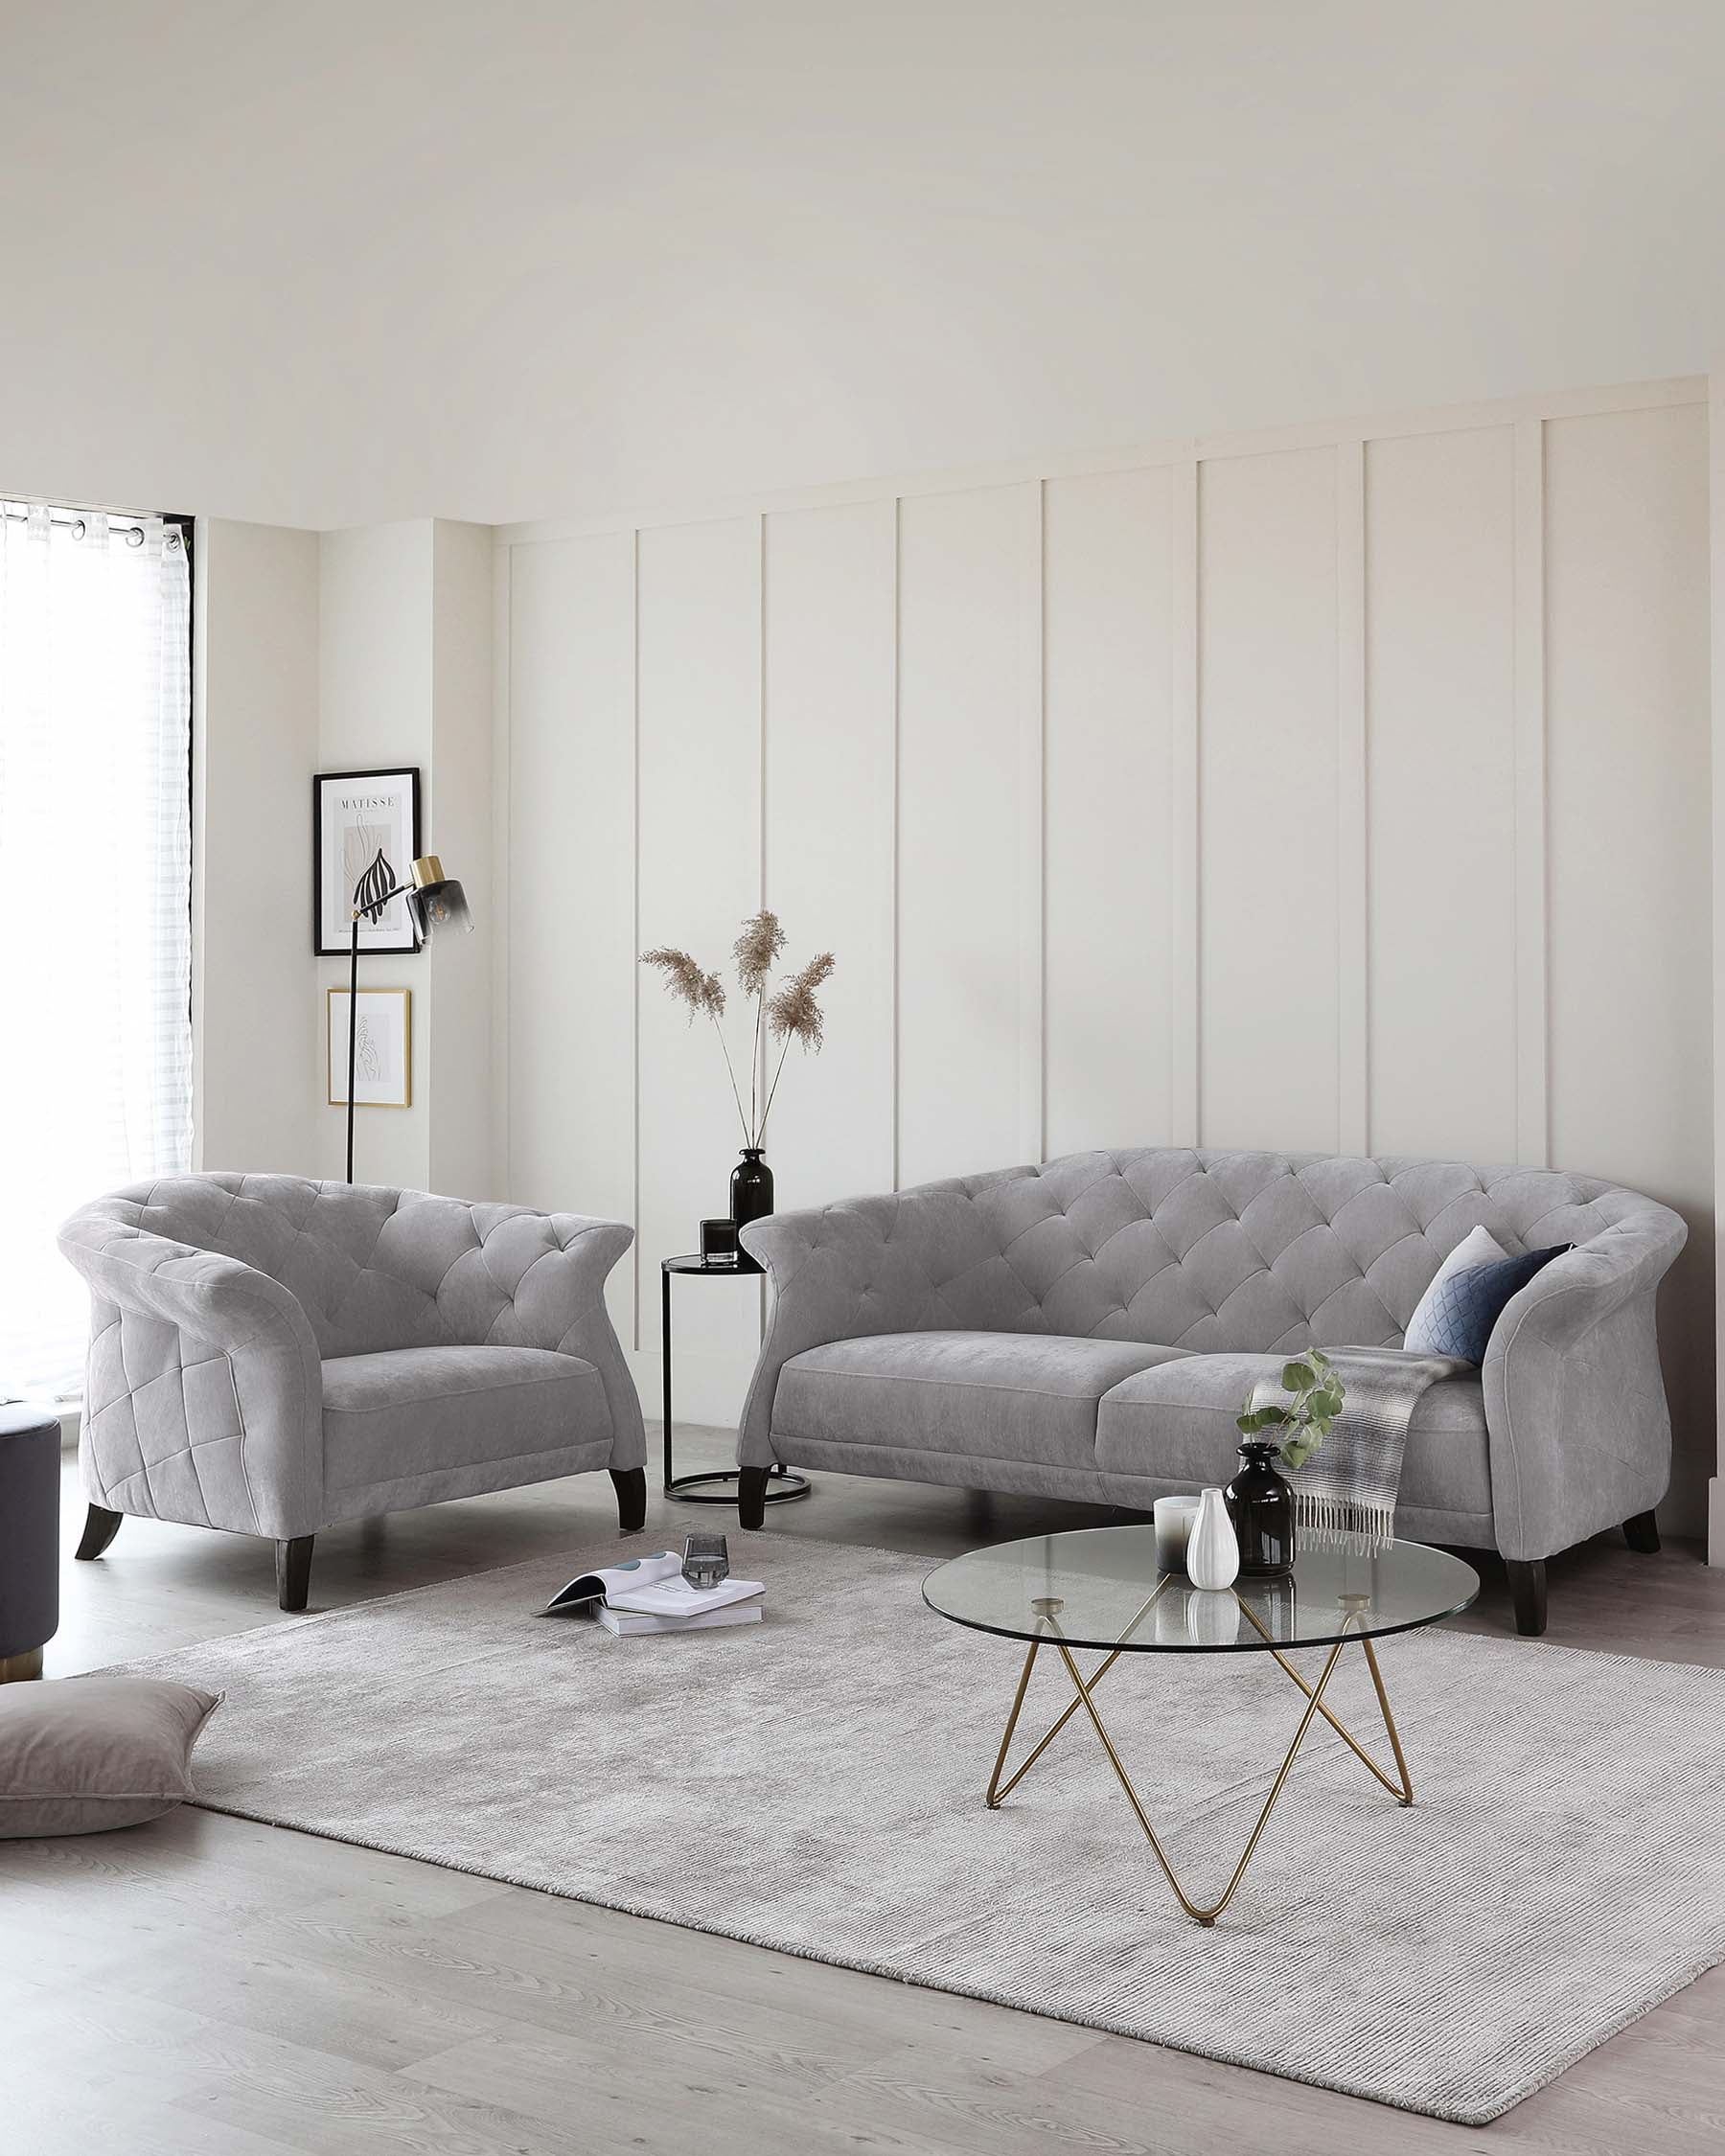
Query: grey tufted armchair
[[270, 1355]]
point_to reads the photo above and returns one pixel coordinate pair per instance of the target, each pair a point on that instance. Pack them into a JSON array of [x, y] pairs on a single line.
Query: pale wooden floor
[[203, 1987]]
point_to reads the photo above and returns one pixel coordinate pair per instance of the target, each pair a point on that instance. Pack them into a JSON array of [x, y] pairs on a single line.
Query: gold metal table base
[[1047, 1615]]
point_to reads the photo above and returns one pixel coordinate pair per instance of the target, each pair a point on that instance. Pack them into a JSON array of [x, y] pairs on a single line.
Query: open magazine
[[650, 1594]]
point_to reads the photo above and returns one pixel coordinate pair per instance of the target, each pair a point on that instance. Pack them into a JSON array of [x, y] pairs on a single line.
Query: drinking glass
[[707, 1560]]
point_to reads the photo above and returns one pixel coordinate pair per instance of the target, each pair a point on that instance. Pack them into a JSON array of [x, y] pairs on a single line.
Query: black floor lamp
[[435, 901]]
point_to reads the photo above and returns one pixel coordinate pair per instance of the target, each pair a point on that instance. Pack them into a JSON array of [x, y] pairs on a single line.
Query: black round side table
[[719, 1488]]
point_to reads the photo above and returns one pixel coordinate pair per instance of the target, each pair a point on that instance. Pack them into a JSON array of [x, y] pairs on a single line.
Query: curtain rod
[[133, 534]]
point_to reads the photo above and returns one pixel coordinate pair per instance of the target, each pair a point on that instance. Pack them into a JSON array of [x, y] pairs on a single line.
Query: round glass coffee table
[[1099, 1588]]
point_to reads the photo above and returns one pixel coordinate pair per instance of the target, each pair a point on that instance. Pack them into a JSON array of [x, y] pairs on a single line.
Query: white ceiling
[[330, 262]]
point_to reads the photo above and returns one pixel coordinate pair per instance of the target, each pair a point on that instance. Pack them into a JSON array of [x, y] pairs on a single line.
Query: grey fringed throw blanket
[[1345, 1493]]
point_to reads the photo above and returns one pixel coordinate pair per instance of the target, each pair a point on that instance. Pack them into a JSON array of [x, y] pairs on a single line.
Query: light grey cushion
[[410, 1411], [1177, 1423], [988, 1395], [83, 1754], [1478, 1247]]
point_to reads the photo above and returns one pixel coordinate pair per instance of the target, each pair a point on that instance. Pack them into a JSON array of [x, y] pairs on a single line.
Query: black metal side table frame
[[720, 1486]]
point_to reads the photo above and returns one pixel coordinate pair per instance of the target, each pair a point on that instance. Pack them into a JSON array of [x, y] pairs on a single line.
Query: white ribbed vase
[[1213, 1554]]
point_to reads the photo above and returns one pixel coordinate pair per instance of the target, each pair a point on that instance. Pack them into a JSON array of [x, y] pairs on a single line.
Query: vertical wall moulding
[[761, 882], [898, 612], [1183, 849], [634, 930], [497, 902], [1715, 458], [1032, 925], [761, 1064], [1532, 1017], [892, 1058], [1353, 867]]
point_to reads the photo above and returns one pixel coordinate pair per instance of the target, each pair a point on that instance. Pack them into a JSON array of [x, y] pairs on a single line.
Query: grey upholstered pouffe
[[30, 1481]]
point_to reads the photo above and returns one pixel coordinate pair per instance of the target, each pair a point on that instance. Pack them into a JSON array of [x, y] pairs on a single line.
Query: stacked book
[[650, 1594]]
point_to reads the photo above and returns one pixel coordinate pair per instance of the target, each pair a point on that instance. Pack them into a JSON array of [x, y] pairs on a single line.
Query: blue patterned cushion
[[1465, 1307], [1478, 1247]]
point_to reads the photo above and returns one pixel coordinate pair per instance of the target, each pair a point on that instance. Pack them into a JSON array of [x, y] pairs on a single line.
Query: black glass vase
[[751, 1196], [1261, 1507]]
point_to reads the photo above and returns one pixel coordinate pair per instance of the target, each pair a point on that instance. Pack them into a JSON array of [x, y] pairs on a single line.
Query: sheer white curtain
[[95, 883]]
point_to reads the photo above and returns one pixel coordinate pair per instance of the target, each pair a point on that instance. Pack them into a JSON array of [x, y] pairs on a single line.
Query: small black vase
[[751, 1195], [1261, 1506]]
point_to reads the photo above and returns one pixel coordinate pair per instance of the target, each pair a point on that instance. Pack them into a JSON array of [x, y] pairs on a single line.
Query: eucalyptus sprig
[[1315, 1394]]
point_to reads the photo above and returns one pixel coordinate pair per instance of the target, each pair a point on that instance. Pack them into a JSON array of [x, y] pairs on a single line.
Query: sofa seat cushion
[[1029, 1396], [1177, 1424], [414, 1410]]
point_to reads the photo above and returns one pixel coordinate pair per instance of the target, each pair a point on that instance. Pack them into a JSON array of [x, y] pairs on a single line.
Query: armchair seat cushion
[[1020, 1396], [418, 1411], [1176, 1422]]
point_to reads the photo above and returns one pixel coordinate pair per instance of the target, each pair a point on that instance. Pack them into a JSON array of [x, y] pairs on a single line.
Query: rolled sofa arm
[[846, 1270], [203, 1397], [1575, 1395], [554, 1267]]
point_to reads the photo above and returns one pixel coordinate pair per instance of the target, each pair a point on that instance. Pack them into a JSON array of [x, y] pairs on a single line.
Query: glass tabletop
[[1098, 1587]]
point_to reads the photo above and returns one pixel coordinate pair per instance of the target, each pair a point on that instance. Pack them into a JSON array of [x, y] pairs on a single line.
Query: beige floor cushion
[[82, 1753]]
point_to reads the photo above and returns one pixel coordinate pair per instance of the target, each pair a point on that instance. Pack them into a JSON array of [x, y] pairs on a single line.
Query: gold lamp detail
[[437, 901]]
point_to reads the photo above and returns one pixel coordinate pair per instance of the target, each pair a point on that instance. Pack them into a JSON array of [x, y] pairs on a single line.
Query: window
[[95, 897]]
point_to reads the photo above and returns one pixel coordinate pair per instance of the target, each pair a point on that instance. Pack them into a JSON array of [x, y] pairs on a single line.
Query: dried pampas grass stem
[[790, 1013], [704, 994]]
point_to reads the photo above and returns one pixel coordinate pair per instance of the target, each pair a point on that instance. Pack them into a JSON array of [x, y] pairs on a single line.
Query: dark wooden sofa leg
[[632, 1498], [294, 1571], [1642, 1533], [101, 1527], [751, 1495], [1527, 1589]]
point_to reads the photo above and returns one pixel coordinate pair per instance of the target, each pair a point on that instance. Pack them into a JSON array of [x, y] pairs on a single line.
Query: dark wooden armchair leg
[[751, 1495], [101, 1527], [294, 1571], [1642, 1533], [632, 1498], [1527, 1589]]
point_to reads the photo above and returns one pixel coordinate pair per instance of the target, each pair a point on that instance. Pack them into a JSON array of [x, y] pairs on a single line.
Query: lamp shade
[[437, 901]]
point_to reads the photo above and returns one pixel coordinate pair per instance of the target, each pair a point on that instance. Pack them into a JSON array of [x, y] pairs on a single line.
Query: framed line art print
[[361, 822], [382, 1049]]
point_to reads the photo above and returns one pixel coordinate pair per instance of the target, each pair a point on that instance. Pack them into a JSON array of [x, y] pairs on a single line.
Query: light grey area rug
[[814, 1783]]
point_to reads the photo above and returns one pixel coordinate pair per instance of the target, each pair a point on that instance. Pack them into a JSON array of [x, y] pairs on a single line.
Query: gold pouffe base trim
[[14, 1669]]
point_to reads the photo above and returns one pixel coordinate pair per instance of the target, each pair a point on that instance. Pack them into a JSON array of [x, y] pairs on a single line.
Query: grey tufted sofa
[[1090, 1328], [269, 1356]]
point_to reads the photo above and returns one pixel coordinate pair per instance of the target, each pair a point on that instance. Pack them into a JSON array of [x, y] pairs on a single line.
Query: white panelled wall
[[1342, 789]]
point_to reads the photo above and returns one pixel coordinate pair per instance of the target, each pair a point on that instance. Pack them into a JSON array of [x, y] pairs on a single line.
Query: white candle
[[1174, 1517]]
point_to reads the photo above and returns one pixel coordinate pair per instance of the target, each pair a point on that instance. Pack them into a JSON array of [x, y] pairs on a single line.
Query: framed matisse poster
[[365, 835], [382, 1049]]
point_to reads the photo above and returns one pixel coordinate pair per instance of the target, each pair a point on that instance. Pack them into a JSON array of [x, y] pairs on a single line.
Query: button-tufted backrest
[[371, 1267], [1248, 1252]]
